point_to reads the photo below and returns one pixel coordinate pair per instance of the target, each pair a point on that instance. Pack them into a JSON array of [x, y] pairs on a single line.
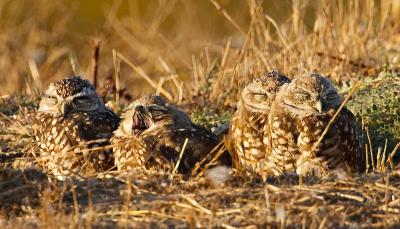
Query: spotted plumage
[[298, 117], [72, 121], [247, 140], [279, 122], [153, 132]]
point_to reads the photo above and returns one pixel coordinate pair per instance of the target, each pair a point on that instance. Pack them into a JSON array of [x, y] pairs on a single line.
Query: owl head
[[150, 113], [70, 95], [309, 94], [259, 94]]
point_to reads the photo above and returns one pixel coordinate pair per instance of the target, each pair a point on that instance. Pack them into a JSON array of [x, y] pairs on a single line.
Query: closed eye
[[52, 99], [260, 96], [303, 95], [331, 94], [83, 99], [157, 111]]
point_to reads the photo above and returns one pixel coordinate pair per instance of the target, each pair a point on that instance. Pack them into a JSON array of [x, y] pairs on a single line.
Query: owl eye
[[331, 94], [260, 96], [157, 111], [303, 96], [52, 99], [83, 100]]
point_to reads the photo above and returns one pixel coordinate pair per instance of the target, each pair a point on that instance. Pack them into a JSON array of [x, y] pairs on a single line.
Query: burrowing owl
[[153, 132], [247, 139], [70, 119], [297, 119]]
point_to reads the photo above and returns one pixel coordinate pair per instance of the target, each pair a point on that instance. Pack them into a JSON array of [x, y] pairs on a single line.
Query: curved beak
[[318, 106], [64, 109]]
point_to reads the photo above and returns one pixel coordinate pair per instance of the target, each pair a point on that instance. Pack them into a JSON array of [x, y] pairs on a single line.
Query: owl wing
[[340, 147], [167, 144], [90, 127], [99, 125], [350, 141], [247, 139], [63, 141]]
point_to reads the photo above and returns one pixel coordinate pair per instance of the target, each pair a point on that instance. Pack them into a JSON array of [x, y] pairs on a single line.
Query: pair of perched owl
[[279, 123], [77, 134]]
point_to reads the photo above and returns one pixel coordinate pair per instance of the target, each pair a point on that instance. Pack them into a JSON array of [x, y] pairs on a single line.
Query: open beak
[[141, 120]]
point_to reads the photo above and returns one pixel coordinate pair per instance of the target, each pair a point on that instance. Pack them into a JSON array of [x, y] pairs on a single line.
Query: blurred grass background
[[212, 44]]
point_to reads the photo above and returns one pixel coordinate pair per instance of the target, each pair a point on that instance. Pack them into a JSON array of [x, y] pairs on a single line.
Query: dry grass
[[198, 54], [137, 199]]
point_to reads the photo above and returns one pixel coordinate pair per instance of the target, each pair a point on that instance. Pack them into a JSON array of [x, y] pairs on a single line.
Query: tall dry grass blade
[[213, 159], [267, 203], [179, 159], [378, 160], [74, 64], [143, 74], [278, 30], [195, 74], [366, 158], [392, 154], [35, 77], [160, 85], [200, 164], [172, 75], [127, 200], [387, 194], [75, 205], [370, 149], [95, 61], [385, 155], [227, 16], [117, 73]]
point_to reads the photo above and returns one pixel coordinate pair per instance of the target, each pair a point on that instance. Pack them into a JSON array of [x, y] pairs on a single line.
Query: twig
[[95, 61], [390, 157], [227, 16], [335, 115], [74, 64], [197, 205], [280, 34], [214, 159], [370, 149], [117, 70], [198, 165], [180, 159], [141, 73], [366, 158], [378, 159], [387, 194], [35, 76], [267, 203]]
